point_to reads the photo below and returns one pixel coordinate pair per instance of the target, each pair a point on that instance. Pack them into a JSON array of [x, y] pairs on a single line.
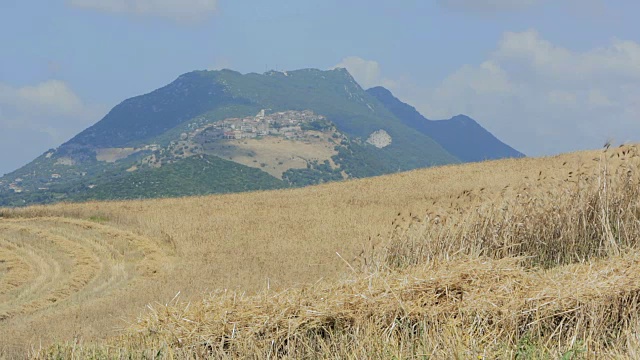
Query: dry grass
[[470, 308], [531, 257], [276, 155], [112, 155], [67, 267]]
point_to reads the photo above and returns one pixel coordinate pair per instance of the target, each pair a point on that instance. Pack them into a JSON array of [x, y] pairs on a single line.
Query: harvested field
[[50, 267], [529, 258]]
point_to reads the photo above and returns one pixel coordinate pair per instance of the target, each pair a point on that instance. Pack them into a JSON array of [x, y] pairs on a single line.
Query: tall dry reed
[[537, 272], [587, 215]]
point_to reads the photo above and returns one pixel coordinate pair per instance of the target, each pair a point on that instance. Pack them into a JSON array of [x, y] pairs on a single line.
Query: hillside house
[[213, 133], [15, 187]]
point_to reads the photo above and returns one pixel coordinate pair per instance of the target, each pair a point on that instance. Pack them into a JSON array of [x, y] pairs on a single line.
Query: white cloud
[[366, 72], [543, 98], [40, 117], [50, 96], [178, 10], [535, 95], [488, 5]]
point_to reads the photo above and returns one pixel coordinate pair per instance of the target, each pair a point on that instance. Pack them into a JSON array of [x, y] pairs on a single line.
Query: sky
[[544, 76]]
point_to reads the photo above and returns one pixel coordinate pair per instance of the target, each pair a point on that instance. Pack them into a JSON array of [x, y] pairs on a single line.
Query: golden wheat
[[514, 230]]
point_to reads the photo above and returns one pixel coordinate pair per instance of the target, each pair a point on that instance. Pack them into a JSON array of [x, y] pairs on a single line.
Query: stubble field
[[529, 257]]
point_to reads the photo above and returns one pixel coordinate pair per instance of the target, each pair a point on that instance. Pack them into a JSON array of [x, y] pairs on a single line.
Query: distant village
[[284, 123], [15, 185], [291, 124]]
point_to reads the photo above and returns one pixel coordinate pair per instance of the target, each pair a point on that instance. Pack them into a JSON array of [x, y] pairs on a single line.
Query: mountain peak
[[341, 70], [463, 119], [381, 91]]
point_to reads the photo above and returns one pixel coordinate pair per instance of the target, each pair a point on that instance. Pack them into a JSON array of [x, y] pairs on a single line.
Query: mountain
[[461, 136], [223, 131]]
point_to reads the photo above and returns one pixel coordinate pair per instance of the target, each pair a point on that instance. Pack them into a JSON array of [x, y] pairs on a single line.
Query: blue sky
[[544, 76]]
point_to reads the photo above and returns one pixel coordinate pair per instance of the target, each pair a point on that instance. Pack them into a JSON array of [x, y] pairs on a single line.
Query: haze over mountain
[[544, 76], [461, 136], [222, 131]]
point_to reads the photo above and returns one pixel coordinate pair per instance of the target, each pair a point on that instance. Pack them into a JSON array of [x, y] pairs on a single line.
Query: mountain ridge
[[460, 135], [364, 134]]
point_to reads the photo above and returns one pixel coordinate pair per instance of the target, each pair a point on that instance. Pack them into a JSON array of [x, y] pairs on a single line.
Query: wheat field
[[532, 257]]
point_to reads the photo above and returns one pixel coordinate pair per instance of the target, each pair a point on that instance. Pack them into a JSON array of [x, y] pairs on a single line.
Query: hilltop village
[[228, 138], [289, 124]]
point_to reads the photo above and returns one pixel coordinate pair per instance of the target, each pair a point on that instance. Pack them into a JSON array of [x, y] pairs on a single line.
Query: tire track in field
[[41, 269], [15, 270], [47, 262]]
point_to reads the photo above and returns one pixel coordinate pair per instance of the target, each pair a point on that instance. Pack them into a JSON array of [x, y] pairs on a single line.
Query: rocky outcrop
[[379, 139]]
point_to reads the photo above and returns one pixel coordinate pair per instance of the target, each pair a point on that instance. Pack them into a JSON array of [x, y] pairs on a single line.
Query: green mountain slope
[[332, 93], [198, 175], [141, 118]]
